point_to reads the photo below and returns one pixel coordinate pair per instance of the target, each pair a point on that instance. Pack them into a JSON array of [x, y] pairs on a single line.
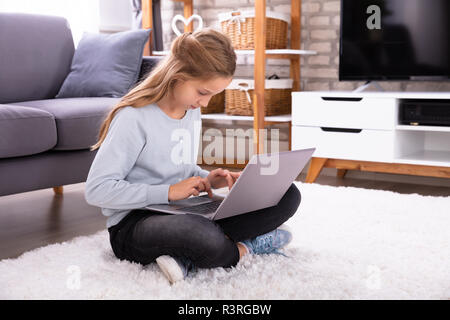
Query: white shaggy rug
[[349, 243]]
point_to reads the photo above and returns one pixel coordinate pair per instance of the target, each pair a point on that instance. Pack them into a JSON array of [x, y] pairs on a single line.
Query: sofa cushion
[[78, 120], [105, 65], [25, 131], [36, 52]]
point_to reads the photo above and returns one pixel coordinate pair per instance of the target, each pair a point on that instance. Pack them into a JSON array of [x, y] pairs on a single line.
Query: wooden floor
[[38, 218]]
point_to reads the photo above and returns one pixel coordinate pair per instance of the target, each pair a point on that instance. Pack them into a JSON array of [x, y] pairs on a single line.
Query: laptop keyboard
[[203, 208], [199, 199]]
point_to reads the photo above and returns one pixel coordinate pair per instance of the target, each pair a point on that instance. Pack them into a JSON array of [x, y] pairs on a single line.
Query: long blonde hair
[[204, 54]]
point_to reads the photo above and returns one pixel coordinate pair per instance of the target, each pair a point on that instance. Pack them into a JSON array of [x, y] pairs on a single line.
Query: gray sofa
[[44, 142]]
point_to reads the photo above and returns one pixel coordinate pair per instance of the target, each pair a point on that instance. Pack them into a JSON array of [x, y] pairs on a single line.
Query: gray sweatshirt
[[144, 152]]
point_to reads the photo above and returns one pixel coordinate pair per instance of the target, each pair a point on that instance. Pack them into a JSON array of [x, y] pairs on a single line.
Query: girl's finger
[[229, 181], [208, 187], [204, 185], [196, 184], [201, 186], [195, 180], [218, 172], [235, 175]]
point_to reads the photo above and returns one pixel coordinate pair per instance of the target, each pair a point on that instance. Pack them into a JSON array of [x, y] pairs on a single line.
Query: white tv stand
[[361, 131]]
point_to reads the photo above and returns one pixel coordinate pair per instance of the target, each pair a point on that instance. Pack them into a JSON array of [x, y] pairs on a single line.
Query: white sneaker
[[175, 269]]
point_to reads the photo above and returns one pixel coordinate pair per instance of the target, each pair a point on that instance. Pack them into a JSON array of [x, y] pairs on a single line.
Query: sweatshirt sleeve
[[198, 171], [106, 186]]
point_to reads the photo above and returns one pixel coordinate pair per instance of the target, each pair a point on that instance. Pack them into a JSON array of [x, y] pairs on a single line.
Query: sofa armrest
[[148, 63]]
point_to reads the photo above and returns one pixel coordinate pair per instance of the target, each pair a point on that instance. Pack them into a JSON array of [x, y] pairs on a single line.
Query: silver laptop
[[262, 183]]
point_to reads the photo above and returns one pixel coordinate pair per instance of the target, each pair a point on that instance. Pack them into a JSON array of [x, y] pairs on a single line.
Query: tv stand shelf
[[362, 131]]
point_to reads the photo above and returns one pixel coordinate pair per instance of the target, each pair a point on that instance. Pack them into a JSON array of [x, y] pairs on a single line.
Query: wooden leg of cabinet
[[341, 173], [315, 167], [382, 167], [58, 190], [290, 135]]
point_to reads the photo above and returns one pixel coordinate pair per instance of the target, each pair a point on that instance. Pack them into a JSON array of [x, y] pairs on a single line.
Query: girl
[[135, 167]]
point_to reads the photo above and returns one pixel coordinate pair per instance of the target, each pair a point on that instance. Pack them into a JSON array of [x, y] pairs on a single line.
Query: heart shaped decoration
[[179, 17]]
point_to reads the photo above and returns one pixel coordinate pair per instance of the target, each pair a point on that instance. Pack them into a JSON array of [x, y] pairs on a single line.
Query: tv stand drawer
[[345, 143], [344, 112]]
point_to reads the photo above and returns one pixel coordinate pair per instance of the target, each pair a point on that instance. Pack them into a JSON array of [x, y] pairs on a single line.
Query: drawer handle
[[341, 99], [340, 130]]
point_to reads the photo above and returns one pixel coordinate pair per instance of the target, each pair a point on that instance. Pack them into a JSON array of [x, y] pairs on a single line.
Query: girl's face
[[193, 94]]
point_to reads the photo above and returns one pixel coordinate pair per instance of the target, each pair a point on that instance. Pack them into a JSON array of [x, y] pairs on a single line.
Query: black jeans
[[144, 235]]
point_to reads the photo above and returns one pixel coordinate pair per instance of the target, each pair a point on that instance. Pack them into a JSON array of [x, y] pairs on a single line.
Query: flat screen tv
[[394, 40]]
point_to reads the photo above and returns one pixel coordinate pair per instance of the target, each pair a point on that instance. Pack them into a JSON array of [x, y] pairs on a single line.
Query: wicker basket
[[277, 97], [216, 104], [240, 27]]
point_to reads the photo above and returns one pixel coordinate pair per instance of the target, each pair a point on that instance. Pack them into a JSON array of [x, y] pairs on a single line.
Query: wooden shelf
[[426, 157], [277, 51], [270, 54], [284, 118], [422, 128]]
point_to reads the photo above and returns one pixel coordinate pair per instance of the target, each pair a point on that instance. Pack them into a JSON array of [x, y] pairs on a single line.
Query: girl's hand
[[190, 186], [220, 178]]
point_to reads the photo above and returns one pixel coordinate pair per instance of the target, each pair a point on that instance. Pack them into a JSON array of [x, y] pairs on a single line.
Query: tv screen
[[394, 40]]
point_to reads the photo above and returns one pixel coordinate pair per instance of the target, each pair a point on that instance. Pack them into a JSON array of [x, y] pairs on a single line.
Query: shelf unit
[[261, 54], [268, 119], [362, 131], [423, 128], [270, 53]]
